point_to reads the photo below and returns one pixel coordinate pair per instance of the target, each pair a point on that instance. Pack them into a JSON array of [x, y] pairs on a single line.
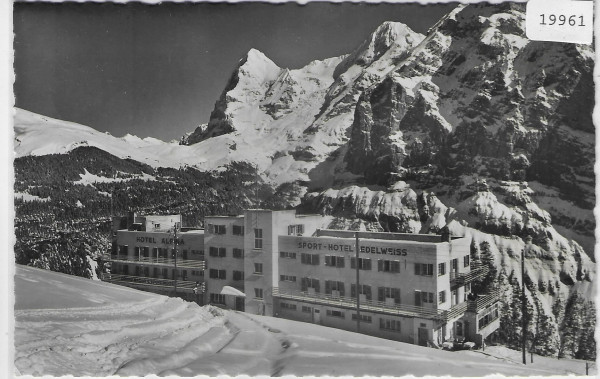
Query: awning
[[227, 290]]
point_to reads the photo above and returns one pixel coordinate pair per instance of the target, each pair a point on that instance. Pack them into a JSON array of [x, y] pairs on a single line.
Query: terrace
[[386, 308], [156, 261], [149, 282]]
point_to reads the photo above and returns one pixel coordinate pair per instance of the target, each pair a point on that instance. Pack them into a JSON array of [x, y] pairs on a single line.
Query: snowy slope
[[72, 326], [40, 135]]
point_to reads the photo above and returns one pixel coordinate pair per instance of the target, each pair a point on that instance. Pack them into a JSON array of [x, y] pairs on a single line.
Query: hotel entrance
[[423, 336]]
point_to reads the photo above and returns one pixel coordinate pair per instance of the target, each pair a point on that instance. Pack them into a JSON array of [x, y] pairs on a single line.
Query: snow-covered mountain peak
[[391, 32], [257, 65], [394, 38]]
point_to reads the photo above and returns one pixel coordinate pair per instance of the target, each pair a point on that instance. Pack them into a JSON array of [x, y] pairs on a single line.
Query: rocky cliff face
[[477, 97]]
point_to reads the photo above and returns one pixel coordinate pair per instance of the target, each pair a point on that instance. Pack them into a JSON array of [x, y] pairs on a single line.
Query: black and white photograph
[[301, 189]]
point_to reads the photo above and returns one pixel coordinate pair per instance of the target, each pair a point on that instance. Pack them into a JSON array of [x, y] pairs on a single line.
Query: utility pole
[[523, 298], [357, 287], [175, 253]]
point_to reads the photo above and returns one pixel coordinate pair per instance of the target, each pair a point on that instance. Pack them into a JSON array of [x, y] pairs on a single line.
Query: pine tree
[[558, 309], [586, 348], [474, 251], [547, 340], [572, 326], [487, 260]]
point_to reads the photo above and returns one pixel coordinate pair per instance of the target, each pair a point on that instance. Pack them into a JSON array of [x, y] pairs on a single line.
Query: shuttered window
[[363, 263], [388, 266]]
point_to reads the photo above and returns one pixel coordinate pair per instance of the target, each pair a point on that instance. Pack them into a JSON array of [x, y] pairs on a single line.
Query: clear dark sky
[[157, 70]]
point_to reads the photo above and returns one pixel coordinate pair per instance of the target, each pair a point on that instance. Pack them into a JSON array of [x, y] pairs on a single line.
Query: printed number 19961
[[561, 19]]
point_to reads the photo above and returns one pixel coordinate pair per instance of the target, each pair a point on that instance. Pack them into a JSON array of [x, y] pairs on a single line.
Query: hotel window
[[285, 254], [154, 252], [123, 249], [388, 266], [466, 261], [306, 283], [309, 259], [146, 271], [454, 264], [238, 253], [217, 298], [467, 291], [424, 269], [306, 309], [294, 230], [238, 275], [363, 289], [138, 251], [216, 229], [213, 273], [392, 325], [363, 263], [363, 318], [334, 261], [287, 278], [258, 238], [442, 297], [334, 288], [423, 297], [125, 270], [238, 230], [217, 251], [488, 316], [289, 306], [441, 269], [165, 272], [258, 293], [258, 268], [334, 313], [146, 251], [155, 274], [384, 293]]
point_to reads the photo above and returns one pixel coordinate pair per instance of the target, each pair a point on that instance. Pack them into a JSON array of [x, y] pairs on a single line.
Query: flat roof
[[428, 238], [192, 231], [165, 231], [225, 216]]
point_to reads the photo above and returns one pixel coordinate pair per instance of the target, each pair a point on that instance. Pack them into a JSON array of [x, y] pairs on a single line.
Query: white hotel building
[[411, 288]]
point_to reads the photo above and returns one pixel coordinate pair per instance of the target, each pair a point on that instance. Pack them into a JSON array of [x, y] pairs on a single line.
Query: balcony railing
[[372, 306], [130, 280], [483, 301], [183, 263], [460, 279]]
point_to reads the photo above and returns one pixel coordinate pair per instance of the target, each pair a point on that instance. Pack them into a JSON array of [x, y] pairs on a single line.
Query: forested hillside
[[63, 202]]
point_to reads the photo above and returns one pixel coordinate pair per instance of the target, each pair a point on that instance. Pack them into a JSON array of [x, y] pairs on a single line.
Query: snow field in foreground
[[68, 325]]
